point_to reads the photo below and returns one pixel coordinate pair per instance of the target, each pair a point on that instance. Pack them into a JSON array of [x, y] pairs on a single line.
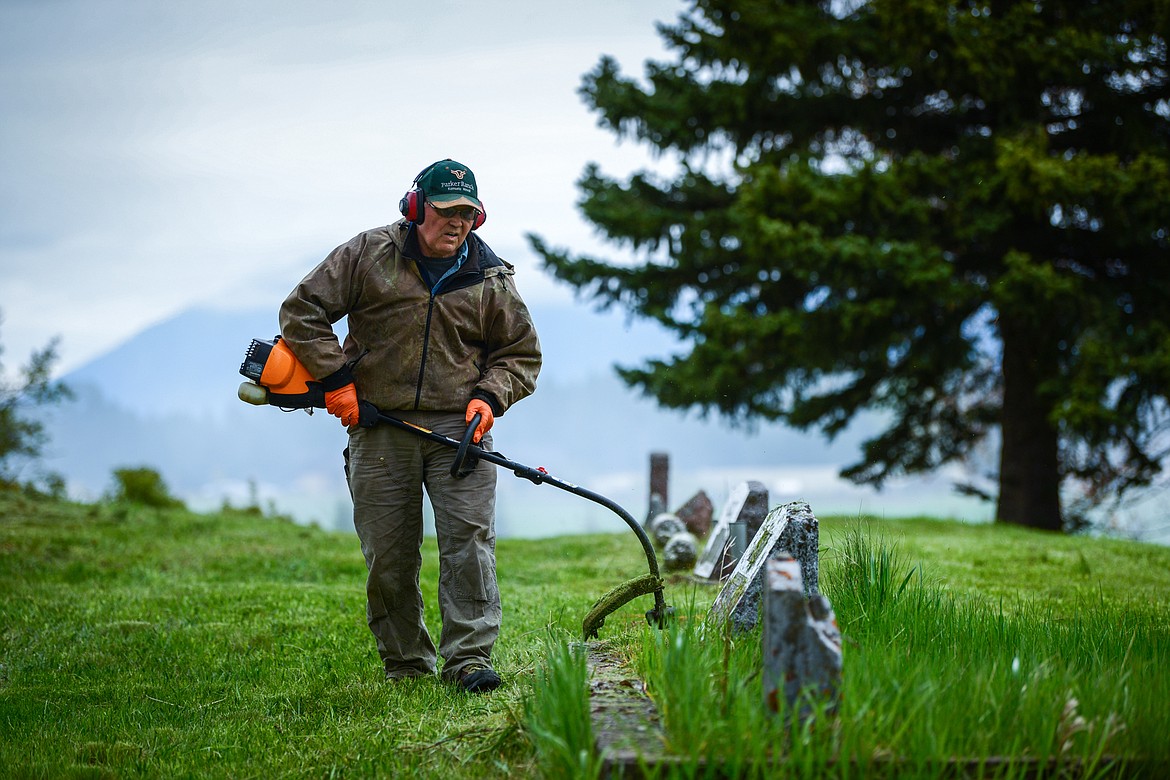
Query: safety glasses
[[463, 212]]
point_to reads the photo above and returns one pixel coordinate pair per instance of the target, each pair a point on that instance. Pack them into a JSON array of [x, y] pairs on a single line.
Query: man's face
[[440, 236]]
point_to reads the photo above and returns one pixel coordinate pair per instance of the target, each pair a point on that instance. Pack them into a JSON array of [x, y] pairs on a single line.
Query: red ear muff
[[480, 218], [411, 206], [413, 201]]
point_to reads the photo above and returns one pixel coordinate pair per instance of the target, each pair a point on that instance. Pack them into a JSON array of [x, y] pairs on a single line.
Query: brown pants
[[387, 470]]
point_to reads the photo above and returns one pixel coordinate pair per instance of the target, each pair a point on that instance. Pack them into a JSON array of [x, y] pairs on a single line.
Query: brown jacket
[[474, 338]]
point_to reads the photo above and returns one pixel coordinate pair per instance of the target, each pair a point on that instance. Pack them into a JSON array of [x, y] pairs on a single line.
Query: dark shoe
[[478, 679]]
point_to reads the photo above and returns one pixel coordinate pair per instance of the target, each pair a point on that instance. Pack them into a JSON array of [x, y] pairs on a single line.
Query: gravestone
[[659, 479], [755, 509], [665, 526], [696, 514], [657, 507], [748, 503], [789, 530], [801, 645], [680, 551], [708, 566]]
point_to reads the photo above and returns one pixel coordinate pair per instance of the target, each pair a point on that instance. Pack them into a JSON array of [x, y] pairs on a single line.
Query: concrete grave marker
[[657, 507], [755, 509], [748, 503], [696, 514], [660, 477], [801, 643], [712, 554], [663, 527], [680, 551], [789, 530]]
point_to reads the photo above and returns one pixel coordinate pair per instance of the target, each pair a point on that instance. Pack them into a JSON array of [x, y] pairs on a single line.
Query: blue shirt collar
[[460, 259]]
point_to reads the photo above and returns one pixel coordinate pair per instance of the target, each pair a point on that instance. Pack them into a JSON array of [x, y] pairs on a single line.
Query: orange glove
[[475, 407], [343, 404]]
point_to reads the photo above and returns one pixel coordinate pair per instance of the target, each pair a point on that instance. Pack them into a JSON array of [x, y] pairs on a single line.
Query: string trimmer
[[278, 379]]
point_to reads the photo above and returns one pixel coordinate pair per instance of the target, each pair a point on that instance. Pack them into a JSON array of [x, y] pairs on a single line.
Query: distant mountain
[[191, 361], [166, 398]]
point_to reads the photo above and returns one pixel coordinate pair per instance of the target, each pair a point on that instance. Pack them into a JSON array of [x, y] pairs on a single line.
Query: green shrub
[[143, 486]]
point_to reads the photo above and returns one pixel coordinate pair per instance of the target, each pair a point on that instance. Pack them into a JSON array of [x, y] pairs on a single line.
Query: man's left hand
[[342, 403], [482, 408]]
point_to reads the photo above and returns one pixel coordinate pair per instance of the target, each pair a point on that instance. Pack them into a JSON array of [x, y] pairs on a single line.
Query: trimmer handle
[[465, 459]]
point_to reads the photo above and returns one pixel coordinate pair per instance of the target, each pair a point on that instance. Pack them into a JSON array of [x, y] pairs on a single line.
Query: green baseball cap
[[448, 184]]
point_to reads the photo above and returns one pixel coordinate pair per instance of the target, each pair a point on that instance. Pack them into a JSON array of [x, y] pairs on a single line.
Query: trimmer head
[[623, 594]]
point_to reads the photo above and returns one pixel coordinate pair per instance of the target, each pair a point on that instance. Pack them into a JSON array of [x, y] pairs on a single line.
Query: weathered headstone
[[745, 527], [755, 509], [737, 543], [657, 507], [696, 514], [801, 644], [789, 530], [748, 503], [660, 477], [665, 526], [680, 551], [707, 567]]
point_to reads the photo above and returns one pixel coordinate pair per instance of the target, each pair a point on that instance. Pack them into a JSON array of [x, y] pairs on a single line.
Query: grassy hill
[[140, 641], [164, 643]]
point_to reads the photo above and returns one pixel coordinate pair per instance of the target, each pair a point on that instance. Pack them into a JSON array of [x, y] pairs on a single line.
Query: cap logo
[[459, 174]]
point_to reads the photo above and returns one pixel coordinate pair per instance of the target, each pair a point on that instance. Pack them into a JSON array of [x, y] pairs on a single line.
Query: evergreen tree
[[952, 211]]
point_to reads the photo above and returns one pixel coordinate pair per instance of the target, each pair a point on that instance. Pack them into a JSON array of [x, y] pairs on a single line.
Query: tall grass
[[931, 679], [556, 714], [868, 575]]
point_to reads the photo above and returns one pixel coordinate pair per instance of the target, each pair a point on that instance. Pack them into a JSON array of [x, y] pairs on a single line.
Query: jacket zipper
[[422, 367], [446, 285]]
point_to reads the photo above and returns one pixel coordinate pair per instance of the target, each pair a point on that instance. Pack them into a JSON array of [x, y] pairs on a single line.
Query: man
[[437, 334]]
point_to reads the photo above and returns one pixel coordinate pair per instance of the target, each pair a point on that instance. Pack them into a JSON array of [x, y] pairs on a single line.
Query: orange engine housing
[[283, 374]]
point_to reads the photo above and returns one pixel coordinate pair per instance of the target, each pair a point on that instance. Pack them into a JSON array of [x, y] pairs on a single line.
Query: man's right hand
[[342, 403]]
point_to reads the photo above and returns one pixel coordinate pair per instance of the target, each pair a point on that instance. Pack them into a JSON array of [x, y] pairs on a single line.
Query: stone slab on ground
[[627, 731]]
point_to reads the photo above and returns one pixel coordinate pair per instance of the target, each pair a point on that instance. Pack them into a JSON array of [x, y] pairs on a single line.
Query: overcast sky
[[156, 156]]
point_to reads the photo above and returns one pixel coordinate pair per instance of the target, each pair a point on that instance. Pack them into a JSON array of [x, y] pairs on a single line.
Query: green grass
[[155, 642], [138, 641], [1074, 671], [557, 713]]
